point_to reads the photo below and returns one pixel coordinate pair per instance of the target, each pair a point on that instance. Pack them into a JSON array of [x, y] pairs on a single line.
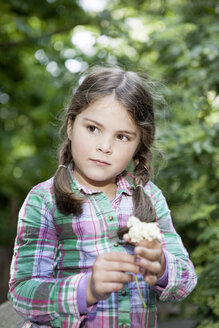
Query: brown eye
[[122, 137], [92, 128]]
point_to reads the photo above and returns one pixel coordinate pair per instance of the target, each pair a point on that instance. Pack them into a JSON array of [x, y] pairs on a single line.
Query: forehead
[[108, 109]]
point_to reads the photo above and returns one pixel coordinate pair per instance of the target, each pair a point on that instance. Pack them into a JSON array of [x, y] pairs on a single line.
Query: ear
[[69, 128]]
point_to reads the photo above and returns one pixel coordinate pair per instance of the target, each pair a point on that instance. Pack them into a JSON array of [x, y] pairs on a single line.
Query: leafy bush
[[175, 41]]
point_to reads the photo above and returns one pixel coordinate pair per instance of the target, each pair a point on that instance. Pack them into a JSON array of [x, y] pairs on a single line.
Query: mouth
[[100, 163]]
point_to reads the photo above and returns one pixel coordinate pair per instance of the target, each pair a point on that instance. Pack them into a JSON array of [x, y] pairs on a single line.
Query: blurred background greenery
[[45, 46]]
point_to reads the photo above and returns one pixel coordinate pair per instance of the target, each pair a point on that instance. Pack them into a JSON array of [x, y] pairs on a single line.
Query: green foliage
[[174, 41]]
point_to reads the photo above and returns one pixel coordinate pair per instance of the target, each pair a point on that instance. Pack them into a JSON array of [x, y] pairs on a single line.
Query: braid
[[143, 207], [66, 200], [65, 156], [142, 168]]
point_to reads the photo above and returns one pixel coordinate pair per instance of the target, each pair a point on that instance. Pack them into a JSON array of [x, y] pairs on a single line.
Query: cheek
[[80, 144], [125, 155], [78, 149]]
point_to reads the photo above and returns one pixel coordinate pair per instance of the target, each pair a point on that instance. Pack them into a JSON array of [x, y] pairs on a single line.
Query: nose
[[105, 145]]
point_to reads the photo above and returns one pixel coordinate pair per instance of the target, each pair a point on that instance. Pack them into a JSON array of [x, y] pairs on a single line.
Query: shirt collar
[[124, 181]]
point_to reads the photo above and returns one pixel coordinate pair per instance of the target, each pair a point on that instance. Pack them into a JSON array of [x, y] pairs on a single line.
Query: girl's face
[[104, 138]]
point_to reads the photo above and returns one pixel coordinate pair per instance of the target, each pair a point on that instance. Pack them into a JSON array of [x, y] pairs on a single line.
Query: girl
[[69, 268]]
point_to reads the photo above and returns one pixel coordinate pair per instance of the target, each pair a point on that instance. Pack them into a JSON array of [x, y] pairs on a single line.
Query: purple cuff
[[163, 280], [82, 294]]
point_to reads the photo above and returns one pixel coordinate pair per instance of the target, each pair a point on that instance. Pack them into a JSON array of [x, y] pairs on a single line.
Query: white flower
[[139, 230]]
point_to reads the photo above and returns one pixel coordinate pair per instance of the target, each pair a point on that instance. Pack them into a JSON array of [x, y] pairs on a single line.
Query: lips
[[99, 162]]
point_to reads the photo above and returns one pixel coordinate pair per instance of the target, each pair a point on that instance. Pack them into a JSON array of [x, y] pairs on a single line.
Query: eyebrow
[[120, 131]]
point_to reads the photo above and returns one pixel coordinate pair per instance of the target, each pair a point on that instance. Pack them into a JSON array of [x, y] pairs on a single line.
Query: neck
[[111, 191], [108, 187]]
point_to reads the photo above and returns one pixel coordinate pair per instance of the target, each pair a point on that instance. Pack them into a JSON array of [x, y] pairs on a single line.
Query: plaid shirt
[[54, 251]]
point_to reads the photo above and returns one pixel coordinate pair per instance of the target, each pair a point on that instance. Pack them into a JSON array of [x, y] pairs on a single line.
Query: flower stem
[[140, 294]]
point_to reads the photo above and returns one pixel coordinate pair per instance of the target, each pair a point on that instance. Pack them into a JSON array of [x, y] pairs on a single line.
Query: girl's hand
[[150, 258], [109, 273]]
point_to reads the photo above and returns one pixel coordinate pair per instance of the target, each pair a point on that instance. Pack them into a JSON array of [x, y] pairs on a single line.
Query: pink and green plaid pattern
[[53, 251]]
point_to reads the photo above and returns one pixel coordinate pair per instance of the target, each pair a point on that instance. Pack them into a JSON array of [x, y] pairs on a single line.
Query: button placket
[[123, 292], [124, 325]]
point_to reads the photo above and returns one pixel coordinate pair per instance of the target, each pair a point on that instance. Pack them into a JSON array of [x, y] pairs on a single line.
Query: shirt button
[[124, 325], [110, 218], [124, 292], [116, 245]]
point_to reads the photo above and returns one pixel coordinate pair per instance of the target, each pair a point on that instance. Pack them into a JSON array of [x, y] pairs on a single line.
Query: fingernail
[[142, 270], [137, 259]]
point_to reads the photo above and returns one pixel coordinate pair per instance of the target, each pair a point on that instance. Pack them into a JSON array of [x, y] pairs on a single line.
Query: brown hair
[[133, 93]]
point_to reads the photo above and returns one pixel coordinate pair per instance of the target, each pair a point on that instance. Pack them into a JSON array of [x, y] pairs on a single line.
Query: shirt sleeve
[[34, 291], [181, 274], [81, 296], [163, 280]]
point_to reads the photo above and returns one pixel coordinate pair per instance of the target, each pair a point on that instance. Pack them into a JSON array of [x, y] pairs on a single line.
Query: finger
[[127, 238], [151, 279], [121, 267], [152, 254], [149, 244], [113, 287], [105, 289], [114, 276], [120, 277], [153, 266], [119, 256]]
